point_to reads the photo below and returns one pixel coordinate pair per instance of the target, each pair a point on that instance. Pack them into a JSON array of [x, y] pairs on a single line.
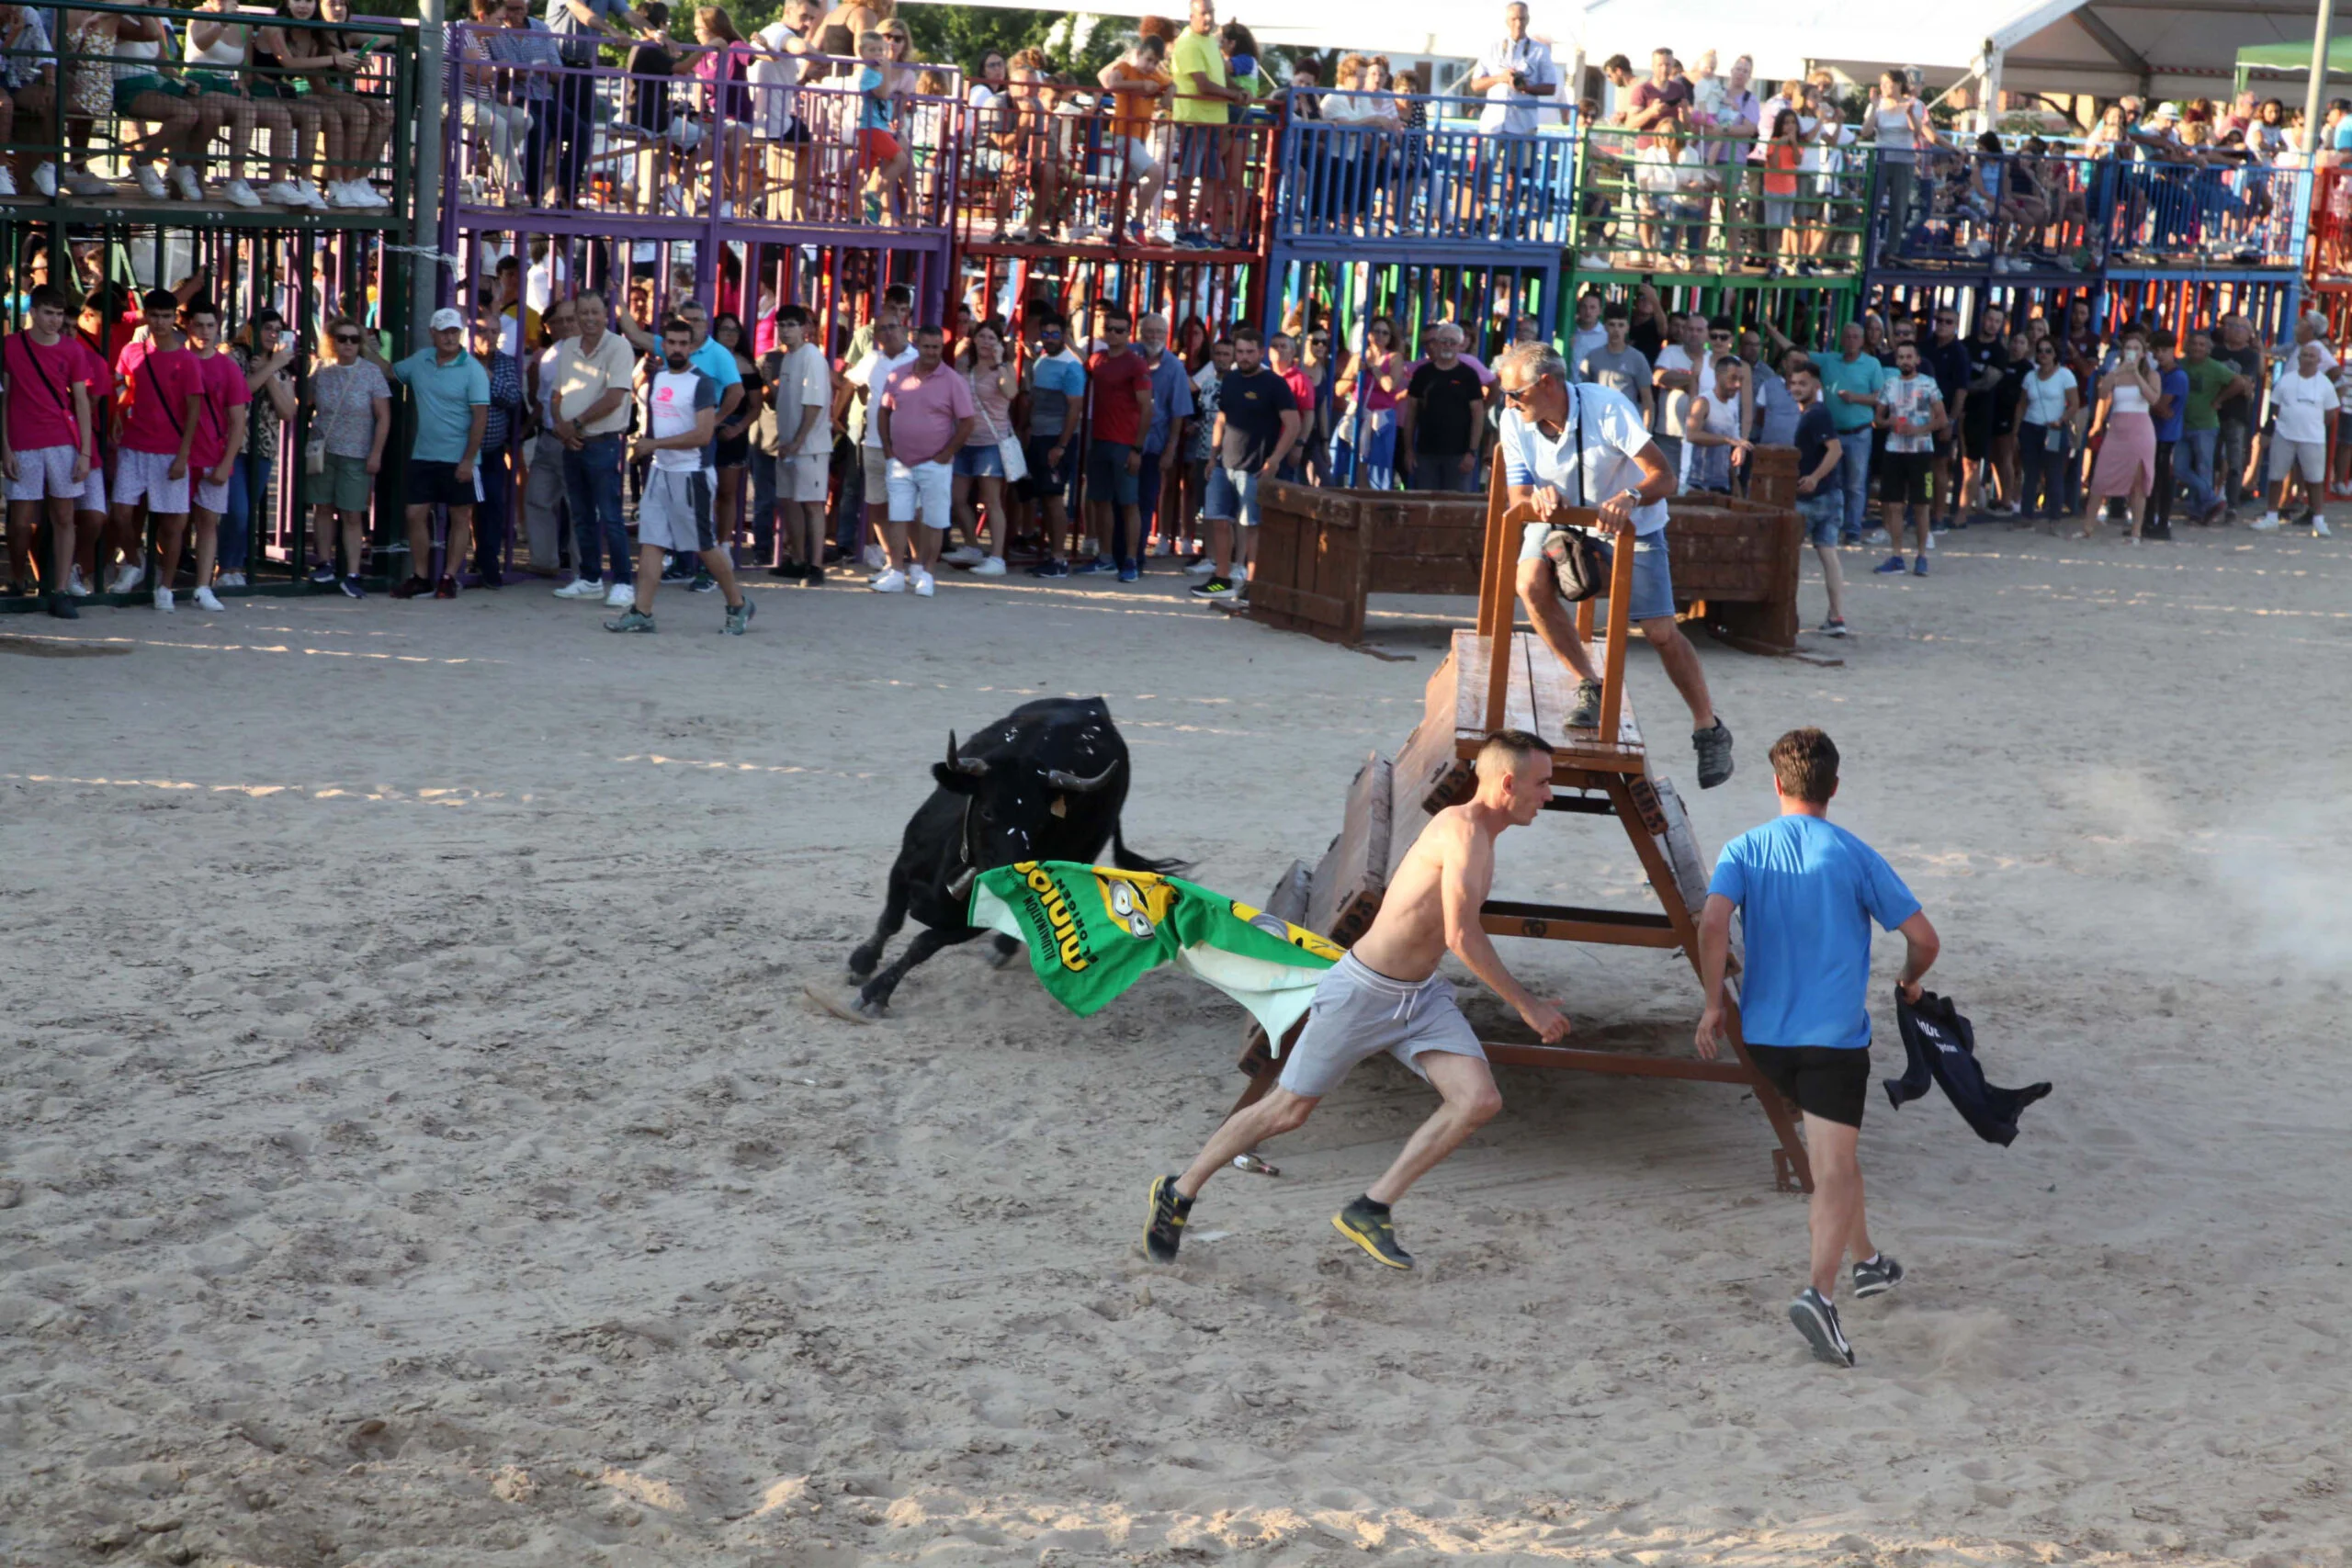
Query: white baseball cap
[[447, 319]]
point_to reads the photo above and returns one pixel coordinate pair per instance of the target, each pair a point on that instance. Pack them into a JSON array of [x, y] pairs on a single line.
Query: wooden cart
[[1495, 677]]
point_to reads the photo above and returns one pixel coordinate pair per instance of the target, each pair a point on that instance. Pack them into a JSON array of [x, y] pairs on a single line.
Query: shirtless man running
[[1384, 995]]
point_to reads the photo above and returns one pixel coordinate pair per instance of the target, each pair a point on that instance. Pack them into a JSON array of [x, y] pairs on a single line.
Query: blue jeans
[[2201, 445], [248, 482], [592, 484], [1854, 479]]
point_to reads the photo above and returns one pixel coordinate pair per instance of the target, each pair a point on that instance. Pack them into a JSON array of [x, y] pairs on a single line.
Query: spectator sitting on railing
[[100, 89], [503, 128], [886, 163], [27, 95], [719, 62], [1137, 82], [327, 67], [579, 26], [218, 55]]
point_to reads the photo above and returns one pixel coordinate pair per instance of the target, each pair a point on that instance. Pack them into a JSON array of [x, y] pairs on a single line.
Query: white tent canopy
[[2159, 48]]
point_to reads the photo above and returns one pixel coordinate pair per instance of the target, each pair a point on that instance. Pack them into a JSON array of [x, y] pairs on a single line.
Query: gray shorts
[[1359, 1012], [674, 512]]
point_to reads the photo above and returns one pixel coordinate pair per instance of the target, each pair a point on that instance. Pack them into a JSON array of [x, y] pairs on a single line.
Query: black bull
[[1047, 782]]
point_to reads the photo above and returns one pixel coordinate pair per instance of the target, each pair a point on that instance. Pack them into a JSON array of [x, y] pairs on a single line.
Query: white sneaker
[[164, 599], [582, 588], [81, 182], [990, 566], [310, 192], [620, 596], [891, 581], [369, 194], [924, 586], [232, 580], [1202, 567], [76, 587], [126, 578], [7, 180], [2267, 523], [45, 179], [2319, 527], [279, 191], [153, 183], [185, 181], [205, 600], [964, 555], [874, 559], [339, 194]]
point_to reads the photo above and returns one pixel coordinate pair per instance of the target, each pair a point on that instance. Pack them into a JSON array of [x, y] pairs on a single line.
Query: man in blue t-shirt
[[1807, 893]]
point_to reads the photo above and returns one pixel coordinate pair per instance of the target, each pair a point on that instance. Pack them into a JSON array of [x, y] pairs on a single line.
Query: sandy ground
[[417, 1151]]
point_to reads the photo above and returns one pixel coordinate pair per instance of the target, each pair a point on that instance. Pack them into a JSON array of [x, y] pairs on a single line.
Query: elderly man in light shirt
[[1515, 74]]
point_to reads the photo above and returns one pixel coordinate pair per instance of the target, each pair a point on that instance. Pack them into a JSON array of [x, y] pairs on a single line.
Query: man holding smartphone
[[1514, 73]]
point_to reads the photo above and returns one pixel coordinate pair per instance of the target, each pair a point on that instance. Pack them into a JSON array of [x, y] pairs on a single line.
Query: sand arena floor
[[415, 1148]]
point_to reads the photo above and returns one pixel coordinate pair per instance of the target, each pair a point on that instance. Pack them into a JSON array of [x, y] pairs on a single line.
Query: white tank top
[[227, 50], [1895, 132], [2126, 396]]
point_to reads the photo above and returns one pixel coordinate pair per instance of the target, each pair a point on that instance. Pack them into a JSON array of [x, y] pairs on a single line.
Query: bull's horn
[[1077, 785], [962, 885], [972, 765]]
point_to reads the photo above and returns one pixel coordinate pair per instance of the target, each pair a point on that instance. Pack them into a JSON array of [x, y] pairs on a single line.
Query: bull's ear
[[953, 779]]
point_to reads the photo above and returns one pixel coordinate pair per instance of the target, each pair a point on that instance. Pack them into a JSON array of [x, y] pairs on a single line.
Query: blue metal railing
[[1441, 180]]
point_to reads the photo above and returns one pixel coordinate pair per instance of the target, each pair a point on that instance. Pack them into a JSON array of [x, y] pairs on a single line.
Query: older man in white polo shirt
[[1567, 445], [1516, 75]]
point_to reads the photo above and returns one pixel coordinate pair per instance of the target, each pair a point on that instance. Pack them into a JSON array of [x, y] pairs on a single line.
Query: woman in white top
[[1357, 117], [2127, 461], [2046, 409], [1896, 124], [216, 54]]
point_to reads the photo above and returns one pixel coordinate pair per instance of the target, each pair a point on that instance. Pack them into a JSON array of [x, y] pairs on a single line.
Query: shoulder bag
[[1008, 446], [1578, 568]]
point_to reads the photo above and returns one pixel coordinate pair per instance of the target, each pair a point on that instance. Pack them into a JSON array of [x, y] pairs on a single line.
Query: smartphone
[[285, 340]]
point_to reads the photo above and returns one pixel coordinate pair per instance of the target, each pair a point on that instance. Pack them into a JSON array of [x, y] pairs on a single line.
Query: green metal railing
[[1667, 202]]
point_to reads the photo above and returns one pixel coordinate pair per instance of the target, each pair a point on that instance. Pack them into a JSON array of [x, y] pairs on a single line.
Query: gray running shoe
[[1877, 1277], [632, 621], [1586, 715], [739, 618], [1714, 747], [1816, 1319]]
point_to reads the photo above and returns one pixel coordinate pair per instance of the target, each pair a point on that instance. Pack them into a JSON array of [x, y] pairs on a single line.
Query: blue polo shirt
[[1171, 399], [445, 397], [1807, 891]]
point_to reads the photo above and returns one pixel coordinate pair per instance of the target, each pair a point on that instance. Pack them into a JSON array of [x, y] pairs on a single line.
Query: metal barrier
[[137, 113], [1347, 177], [2203, 214], [537, 138], [2330, 252], [1073, 175], [1667, 201]]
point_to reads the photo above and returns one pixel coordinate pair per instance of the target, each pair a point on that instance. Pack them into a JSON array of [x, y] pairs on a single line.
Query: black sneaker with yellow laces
[[1367, 1224], [1164, 1231]]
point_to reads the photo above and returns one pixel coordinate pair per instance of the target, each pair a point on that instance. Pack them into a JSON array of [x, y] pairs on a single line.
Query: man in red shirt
[[220, 437], [44, 441], [154, 431], [1118, 394]]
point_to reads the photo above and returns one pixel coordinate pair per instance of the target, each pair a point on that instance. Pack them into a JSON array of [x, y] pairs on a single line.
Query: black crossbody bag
[[1579, 569]]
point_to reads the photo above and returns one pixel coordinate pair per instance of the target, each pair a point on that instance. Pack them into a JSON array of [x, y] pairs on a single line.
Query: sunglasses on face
[[347, 337], [1518, 395]]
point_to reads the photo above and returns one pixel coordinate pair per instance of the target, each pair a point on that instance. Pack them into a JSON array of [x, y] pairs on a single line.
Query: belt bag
[[1580, 570]]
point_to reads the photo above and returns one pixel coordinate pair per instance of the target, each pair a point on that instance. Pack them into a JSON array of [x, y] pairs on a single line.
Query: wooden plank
[[1541, 692], [1608, 928], [1352, 877]]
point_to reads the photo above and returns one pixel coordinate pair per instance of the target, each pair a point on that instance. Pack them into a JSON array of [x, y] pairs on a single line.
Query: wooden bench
[[1601, 772], [1321, 552]]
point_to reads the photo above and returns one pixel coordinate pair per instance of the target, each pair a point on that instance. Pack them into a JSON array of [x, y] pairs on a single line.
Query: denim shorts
[[1107, 477], [1232, 495], [1653, 583], [979, 460], [1823, 513]]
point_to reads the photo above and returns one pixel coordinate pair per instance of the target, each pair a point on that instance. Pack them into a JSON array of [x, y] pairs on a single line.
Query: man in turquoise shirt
[[1807, 893], [450, 391], [1851, 382]]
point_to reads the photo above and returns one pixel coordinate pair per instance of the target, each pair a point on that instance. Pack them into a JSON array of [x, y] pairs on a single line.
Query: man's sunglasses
[[1515, 396], [347, 337]]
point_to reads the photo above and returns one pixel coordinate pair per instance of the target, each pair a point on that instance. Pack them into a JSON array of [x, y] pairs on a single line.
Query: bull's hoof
[[850, 1007], [861, 967]]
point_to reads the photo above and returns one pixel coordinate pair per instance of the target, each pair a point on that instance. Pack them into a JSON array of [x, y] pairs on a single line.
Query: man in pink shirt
[[44, 441], [927, 412], [154, 421], [220, 437]]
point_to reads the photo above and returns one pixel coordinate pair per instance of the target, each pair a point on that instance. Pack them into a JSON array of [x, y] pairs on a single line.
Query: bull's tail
[[1126, 859]]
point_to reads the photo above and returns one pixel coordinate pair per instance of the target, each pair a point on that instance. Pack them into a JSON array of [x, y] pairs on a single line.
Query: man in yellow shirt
[[1200, 112]]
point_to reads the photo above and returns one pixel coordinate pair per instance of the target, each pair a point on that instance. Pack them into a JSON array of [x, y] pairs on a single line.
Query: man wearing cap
[[451, 392]]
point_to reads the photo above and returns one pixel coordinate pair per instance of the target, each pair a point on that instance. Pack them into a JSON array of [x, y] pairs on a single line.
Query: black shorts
[[1046, 478], [1903, 478], [1977, 430], [1828, 1081], [435, 484]]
